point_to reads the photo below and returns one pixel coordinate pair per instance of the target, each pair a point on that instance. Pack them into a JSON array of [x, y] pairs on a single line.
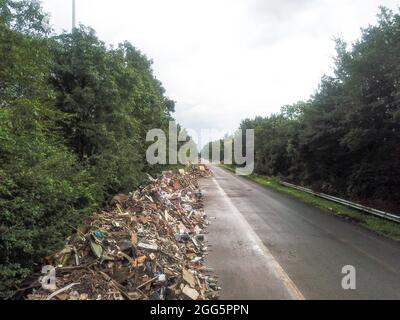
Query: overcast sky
[[226, 60]]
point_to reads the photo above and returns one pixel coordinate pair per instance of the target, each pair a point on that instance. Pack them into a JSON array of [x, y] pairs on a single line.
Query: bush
[[44, 192]]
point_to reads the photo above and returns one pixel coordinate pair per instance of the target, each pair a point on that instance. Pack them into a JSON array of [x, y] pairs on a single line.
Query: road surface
[[268, 245]]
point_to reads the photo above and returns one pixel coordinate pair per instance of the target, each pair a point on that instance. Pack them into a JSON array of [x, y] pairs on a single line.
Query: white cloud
[[225, 60]]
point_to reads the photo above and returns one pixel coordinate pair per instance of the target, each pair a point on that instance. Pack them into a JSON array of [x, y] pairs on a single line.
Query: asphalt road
[[268, 245]]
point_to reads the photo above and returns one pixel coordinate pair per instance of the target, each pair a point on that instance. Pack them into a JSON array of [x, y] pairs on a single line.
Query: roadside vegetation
[[383, 227], [345, 140], [73, 118]]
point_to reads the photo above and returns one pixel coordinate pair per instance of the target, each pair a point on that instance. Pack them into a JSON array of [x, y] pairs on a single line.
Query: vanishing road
[[268, 245]]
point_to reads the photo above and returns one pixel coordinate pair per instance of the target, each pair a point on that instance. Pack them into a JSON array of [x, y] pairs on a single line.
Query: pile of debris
[[150, 246]]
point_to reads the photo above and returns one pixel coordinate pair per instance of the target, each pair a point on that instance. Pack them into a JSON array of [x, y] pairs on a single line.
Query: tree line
[[74, 114], [345, 140]]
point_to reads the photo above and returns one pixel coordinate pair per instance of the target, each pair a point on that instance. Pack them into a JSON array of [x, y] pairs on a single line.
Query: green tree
[[346, 139], [112, 99], [74, 114], [44, 192]]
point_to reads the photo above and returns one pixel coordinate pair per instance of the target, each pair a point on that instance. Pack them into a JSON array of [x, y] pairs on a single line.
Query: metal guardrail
[[375, 212]]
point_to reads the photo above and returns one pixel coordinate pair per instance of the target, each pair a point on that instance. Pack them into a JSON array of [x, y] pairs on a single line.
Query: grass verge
[[383, 227]]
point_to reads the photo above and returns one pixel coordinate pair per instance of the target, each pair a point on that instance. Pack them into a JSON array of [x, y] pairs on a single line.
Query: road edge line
[[294, 292]]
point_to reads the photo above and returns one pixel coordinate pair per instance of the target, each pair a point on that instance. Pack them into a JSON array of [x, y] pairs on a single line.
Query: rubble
[[150, 246]]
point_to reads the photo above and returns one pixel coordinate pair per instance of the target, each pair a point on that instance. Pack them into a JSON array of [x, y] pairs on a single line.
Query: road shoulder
[[245, 267]]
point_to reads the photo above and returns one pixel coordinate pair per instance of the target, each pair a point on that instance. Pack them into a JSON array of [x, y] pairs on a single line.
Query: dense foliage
[[73, 119], [346, 139]]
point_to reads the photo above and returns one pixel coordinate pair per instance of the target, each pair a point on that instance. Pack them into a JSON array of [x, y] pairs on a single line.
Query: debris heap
[[150, 246]]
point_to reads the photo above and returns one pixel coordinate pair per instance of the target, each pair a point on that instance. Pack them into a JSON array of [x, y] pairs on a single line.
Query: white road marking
[[258, 245]]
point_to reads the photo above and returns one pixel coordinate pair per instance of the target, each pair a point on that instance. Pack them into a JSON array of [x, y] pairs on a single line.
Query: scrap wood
[[61, 290], [116, 285], [72, 268], [146, 283]]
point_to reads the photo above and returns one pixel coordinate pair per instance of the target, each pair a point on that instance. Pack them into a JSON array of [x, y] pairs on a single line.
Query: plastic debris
[[149, 246], [96, 249]]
